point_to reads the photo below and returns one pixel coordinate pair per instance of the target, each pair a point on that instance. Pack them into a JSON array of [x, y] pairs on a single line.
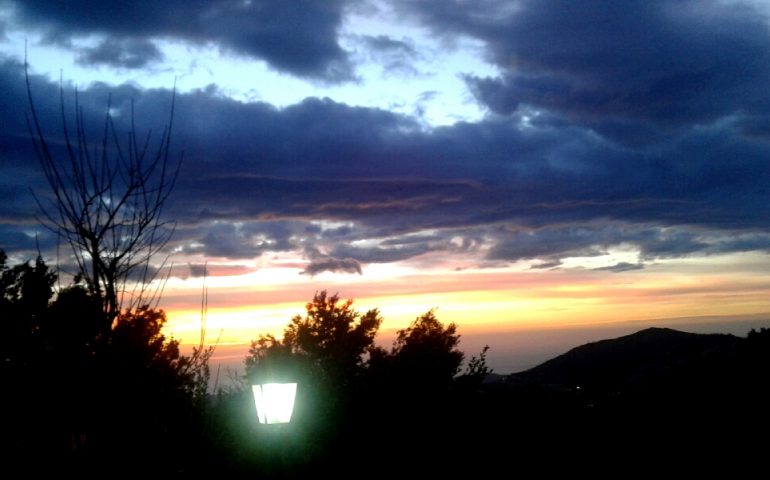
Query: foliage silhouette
[[476, 371], [349, 388], [87, 399], [331, 337], [131, 400], [426, 353], [325, 351], [120, 388], [25, 291]]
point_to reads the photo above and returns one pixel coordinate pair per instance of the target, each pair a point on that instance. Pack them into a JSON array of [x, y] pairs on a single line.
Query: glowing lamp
[[274, 401]]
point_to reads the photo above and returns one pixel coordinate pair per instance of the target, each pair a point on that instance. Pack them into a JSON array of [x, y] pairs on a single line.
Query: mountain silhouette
[[646, 360], [656, 397]]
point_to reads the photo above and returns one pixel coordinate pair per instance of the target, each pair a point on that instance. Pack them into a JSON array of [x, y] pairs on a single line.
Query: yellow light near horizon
[[231, 324], [274, 402], [478, 301]]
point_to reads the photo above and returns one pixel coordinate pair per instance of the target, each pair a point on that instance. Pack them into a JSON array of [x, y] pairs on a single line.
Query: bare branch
[[106, 201]]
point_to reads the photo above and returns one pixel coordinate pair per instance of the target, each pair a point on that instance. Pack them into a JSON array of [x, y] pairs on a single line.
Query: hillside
[[633, 360], [656, 369]]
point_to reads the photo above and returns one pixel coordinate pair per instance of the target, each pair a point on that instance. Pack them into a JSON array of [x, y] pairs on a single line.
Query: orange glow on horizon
[[480, 301]]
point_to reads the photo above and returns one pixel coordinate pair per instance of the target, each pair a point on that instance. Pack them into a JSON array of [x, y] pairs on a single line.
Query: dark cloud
[[198, 270], [395, 56], [19, 173], [364, 185], [757, 126], [621, 267], [238, 239], [142, 273], [320, 262], [552, 244], [621, 68], [743, 243], [15, 238], [378, 254], [546, 265], [668, 243], [298, 37], [384, 43], [122, 53]]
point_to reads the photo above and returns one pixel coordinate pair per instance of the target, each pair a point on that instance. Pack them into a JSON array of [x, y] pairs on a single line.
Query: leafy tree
[[116, 395], [331, 337], [426, 353], [476, 370], [25, 291], [325, 351], [138, 343], [425, 358], [270, 359], [74, 324], [25, 286], [353, 387]]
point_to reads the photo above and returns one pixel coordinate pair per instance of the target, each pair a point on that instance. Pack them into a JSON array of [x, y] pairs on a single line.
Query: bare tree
[[107, 200]]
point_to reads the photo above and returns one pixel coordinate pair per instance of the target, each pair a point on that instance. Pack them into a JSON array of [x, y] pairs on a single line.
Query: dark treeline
[[86, 398], [76, 399], [77, 395], [355, 399]]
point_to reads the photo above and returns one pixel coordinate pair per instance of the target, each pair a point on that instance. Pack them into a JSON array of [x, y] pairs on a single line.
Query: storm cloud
[[634, 70], [298, 37], [124, 53], [321, 262], [639, 125]]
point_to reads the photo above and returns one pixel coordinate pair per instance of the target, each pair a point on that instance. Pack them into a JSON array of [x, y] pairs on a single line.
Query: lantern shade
[[274, 401]]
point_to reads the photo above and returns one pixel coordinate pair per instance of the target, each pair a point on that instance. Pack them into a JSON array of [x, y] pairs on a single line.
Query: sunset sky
[[544, 173]]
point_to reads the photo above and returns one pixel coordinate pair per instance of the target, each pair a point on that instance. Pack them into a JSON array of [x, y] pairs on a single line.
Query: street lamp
[[274, 401]]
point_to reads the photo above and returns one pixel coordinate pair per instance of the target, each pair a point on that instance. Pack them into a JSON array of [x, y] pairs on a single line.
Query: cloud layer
[[634, 71], [635, 126], [298, 37]]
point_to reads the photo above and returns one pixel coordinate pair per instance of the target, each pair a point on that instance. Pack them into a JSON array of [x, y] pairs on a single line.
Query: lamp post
[[274, 402]]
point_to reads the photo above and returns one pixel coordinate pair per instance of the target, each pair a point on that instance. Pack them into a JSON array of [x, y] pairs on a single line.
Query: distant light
[[274, 401]]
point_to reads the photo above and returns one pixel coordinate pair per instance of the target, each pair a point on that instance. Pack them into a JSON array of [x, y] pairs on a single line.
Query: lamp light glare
[[274, 401]]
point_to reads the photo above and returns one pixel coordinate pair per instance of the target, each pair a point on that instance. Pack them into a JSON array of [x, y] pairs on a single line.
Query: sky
[[543, 173]]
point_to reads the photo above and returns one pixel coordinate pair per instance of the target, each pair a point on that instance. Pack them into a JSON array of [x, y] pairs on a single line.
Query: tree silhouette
[[25, 291], [325, 352], [425, 354], [115, 396], [106, 201], [125, 386], [332, 337], [476, 371]]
